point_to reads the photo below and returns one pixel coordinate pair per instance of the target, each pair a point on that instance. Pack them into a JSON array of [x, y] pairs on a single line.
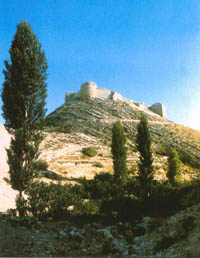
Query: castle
[[89, 90]]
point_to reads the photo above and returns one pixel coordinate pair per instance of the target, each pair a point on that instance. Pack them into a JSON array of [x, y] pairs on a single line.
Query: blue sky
[[148, 50]]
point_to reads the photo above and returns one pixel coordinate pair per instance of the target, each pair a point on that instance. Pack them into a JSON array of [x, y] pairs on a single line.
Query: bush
[[100, 187], [40, 165], [89, 151], [50, 200], [98, 165], [86, 207]]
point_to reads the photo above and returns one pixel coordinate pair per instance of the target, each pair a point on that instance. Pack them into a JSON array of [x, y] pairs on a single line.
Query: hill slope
[[80, 124], [72, 127]]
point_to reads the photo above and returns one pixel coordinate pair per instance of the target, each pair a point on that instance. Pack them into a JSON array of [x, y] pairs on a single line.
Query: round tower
[[88, 90]]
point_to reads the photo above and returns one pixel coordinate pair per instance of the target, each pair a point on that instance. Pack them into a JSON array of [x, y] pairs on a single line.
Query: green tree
[[143, 143], [119, 152], [174, 167], [23, 95]]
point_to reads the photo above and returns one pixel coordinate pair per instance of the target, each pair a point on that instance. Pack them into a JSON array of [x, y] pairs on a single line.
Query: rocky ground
[[176, 236]]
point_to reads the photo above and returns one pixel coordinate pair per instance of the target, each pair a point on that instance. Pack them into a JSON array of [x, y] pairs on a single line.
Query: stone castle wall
[[103, 93], [89, 90]]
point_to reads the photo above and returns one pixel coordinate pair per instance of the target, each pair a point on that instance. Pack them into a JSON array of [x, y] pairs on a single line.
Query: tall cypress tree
[[143, 142], [23, 95], [174, 167], [119, 152]]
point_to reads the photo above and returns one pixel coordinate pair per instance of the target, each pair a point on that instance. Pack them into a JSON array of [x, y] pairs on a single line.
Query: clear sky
[[147, 50]]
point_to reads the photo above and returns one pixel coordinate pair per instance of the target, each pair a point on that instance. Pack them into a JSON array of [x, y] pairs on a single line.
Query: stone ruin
[[159, 109], [89, 90]]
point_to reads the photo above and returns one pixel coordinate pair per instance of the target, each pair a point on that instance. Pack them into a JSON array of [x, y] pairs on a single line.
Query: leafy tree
[[143, 142], [23, 95], [119, 152], [174, 167]]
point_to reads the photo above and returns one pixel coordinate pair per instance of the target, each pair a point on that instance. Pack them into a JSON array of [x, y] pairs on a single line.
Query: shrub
[[89, 151], [100, 187], [86, 207], [40, 165], [98, 165], [50, 200]]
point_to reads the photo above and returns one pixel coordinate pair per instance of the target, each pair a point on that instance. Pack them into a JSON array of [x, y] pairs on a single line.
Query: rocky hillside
[[81, 124]]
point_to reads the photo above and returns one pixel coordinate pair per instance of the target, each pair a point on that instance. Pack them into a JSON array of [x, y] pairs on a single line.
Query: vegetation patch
[[89, 151], [98, 165], [40, 165]]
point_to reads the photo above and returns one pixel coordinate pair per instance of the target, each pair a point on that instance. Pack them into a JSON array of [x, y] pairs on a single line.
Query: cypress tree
[[143, 143], [23, 95], [119, 152], [174, 167]]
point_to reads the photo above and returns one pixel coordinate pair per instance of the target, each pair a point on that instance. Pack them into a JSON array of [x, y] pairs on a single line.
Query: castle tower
[[88, 90], [159, 109]]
